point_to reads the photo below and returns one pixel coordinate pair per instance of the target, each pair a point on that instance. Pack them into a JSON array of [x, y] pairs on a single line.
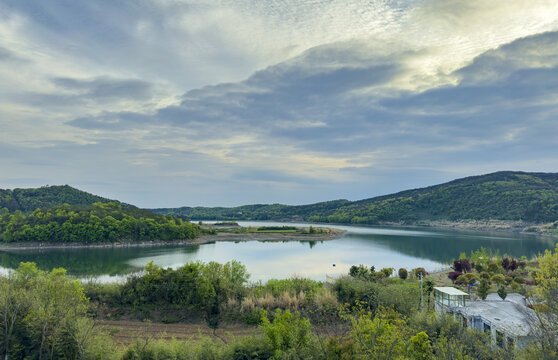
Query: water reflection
[[381, 247]]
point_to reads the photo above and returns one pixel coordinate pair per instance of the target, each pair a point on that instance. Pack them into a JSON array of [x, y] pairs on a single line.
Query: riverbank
[[505, 226], [327, 234], [518, 227]]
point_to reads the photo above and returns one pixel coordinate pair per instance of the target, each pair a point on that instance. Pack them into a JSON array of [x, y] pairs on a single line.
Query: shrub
[[289, 334], [502, 292], [417, 271], [462, 265], [387, 271], [352, 290], [362, 272], [403, 273], [454, 275]]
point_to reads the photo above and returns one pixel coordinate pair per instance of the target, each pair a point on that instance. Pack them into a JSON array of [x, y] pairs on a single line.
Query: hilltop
[[27, 200], [505, 195]]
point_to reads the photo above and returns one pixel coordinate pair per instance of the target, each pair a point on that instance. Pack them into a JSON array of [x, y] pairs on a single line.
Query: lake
[[378, 246]]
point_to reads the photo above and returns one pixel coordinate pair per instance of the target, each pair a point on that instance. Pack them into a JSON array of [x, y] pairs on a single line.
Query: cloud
[[103, 87], [111, 121], [296, 101], [5, 54]]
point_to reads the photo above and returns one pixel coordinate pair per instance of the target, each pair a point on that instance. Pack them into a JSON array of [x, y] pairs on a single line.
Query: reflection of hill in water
[[444, 247], [87, 261]]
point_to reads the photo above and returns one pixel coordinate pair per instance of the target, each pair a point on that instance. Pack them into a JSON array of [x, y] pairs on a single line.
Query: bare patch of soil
[[126, 332]]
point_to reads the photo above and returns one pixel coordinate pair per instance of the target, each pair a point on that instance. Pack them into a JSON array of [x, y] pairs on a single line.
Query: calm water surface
[[381, 247]]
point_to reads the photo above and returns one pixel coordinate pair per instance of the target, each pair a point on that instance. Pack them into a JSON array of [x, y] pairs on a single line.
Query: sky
[[164, 103]]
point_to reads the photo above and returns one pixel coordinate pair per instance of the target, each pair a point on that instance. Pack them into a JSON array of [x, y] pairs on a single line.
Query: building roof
[[450, 290], [508, 315]]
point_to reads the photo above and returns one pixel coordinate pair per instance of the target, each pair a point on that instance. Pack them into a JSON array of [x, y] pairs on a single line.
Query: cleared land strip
[[127, 331]]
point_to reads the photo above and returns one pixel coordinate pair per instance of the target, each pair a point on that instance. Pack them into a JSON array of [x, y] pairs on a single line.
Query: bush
[[402, 297], [403, 273], [462, 265], [352, 290], [249, 347], [289, 335], [293, 286], [418, 271], [454, 275], [387, 271]]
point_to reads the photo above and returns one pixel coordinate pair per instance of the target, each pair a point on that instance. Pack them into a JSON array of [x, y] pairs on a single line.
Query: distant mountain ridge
[[504, 195], [27, 200]]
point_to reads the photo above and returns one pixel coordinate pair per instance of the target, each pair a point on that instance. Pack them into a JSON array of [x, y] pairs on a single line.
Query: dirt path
[[127, 331]]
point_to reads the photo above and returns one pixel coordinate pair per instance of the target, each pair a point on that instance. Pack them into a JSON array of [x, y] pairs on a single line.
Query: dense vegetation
[[531, 197], [27, 200], [43, 315], [366, 315], [100, 222]]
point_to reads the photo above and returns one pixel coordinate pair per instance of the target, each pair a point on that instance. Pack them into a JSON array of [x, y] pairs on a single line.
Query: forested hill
[[97, 223], [27, 200], [502, 195]]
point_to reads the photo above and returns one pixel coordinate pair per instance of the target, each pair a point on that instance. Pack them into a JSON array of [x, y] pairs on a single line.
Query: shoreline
[[204, 239], [499, 226]]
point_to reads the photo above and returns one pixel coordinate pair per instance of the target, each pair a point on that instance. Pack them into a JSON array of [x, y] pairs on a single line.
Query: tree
[[462, 265], [13, 306], [546, 294], [418, 271], [42, 315], [502, 292], [499, 279], [56, 301], [387, 271], [428, 288], [362, 272], [219, 283], [453, 275], [288, 333], [378, 337], [403, 273], [419, 347], [483, 289]]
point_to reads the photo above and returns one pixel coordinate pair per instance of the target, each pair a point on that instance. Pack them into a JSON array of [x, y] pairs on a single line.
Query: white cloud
[[292, 101]]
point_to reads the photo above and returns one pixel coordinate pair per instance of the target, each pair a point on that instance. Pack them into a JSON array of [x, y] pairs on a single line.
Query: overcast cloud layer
[[167, 103]]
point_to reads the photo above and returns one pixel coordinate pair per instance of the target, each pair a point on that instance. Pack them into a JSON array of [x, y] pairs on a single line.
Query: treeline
[[97, 223], [27, 200], [531, 197]]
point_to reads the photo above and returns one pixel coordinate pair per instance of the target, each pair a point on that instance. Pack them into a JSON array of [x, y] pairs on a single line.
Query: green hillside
[[505, 195], [27, 200], [62, 214], [97, 223]]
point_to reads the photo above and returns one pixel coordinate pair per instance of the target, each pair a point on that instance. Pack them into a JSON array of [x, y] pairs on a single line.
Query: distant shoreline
[[205, 239], [504, 226]]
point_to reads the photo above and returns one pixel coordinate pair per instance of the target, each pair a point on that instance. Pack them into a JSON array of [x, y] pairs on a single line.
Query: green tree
[[219, 283], [546, 293], [288, 334], [378, 337], [56, 302], [420, 347], [483, 289], [403, 273], [502, 292], [13, 307]]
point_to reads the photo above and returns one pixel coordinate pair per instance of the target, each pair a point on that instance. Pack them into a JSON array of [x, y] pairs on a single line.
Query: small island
[[231, 231]]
